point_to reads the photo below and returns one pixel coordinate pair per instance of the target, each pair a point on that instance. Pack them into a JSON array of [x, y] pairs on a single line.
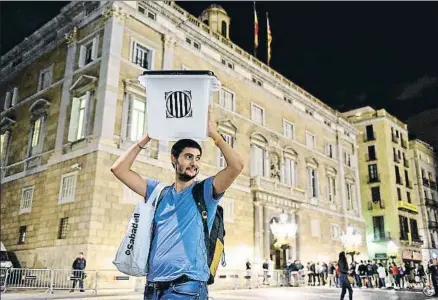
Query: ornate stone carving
[[71, 37], [275, 166], [115, 12], [169, 41]]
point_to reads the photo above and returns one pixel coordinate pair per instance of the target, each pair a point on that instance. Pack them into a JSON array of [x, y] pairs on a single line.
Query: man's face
[[81, 255], [187, 164]]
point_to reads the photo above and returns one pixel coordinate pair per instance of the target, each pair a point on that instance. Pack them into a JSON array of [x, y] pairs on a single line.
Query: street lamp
[[283, 232], [351, 241]]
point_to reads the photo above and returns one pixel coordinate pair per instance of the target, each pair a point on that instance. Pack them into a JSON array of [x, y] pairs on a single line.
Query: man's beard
[[182, 176]]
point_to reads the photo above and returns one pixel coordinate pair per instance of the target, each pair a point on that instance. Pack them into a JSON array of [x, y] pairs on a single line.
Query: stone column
[[266, 233], [106, 105], [341, 177], [282, 172], [169, 46], [258, 238], [357, 183], [65, 95]]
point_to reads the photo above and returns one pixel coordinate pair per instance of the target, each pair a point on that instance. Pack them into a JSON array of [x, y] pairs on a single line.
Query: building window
[[11, 98], [193, 43], [4, 146], [331, 188], [309, 112], [290, 171], [369, 133], [141, 55], [375, 194], [310, 141], [79, 117], [22, 235], [67, 190], [39, 111], [350, 195], [64, 228], [336, 232], [408, 197], [230, 141], [414, 230], [330, 150], [45, 79], [257, 81], [399, 194], [288, 130], [379, 227], [407, 178], [371, 153], [226, 99], [26, 199], [372, 173], [257, 114], [136, 121], [397, 175], [258, 161], [228, 206], [404, 228], [144, 11], [313, 182], [224, 28], [88, 52], [36, 135], [315, 227], [347, 159], [227, 63]]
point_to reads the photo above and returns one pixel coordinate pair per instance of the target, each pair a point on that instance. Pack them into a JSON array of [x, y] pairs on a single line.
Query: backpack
[[214, 241]]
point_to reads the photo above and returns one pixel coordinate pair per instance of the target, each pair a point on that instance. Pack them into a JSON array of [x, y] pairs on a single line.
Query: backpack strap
[[198, 195]]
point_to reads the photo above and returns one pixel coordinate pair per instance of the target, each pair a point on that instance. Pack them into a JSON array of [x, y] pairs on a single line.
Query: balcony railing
[[368, 138], [381, 236], [417, 240], [406, 206], [431, 202], [406, 163], [404, 144], [425, 182], [395, 138], [376, 205], [373, 179], [433, 225]]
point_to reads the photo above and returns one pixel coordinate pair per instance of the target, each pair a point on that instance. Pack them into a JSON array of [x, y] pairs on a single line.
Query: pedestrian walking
[[382, 275], [343, 278], [78, 266], [178, 267]]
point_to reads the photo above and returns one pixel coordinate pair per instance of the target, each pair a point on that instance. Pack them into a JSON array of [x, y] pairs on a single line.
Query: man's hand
[[212, 126]]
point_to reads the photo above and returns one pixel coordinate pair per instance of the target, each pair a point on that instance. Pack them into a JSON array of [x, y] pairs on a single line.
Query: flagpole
[[267, 38], [255, 31]]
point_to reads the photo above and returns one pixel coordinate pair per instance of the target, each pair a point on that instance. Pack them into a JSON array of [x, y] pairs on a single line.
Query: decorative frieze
[[116, 12]]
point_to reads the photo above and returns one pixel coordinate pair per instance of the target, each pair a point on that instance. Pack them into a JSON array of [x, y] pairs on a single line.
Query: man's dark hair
[[81, 253], [180, 145]]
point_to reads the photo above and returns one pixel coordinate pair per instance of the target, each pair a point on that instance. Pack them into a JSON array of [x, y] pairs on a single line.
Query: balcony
[[433, 225], [373, 179], [417, 240], [381, 236], [431, 202], [369, 138], [406, 163], [395, 138], [426, 182], [376, 205], [404, 144], [262, 184], [432, 185], [408, 207]]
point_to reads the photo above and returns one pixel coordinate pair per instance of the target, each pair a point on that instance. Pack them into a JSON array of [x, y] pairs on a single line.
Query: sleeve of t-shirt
[[208, 193], [151, 184]]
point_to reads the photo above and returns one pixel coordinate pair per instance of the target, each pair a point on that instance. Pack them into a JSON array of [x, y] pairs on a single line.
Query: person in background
[[369, 272], [265, 267], [401, 274], [382, 275], [337, 274], [433, 271], [396, 275], [331, 275], [78, 266], [343, 278], [376, 281]]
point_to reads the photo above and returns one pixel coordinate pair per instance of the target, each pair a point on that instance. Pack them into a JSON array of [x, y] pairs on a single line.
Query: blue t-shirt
[[178, 247]]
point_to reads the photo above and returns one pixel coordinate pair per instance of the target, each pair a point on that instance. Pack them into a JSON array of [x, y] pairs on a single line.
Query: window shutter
[[95, 48], [7, 100], [73, 127], [129, 119], [15, 96], [309, 180], [86, 113], [82, 56]]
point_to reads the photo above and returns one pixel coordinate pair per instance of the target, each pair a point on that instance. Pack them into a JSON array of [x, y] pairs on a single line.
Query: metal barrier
[[51, 280]]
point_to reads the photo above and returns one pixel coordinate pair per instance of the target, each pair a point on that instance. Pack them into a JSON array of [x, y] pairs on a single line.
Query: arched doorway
[[278, 253]]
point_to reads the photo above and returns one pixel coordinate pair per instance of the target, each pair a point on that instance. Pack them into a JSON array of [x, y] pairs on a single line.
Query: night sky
[[348, 54]]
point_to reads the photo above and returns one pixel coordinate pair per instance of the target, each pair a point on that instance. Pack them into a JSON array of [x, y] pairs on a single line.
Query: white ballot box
[[177, 103]]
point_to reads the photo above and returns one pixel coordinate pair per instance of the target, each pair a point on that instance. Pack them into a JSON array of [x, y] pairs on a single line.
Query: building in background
[[424, 160], [72, 105], [390, 203]]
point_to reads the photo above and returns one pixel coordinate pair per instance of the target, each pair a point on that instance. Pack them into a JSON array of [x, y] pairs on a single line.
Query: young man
[[178, 259]]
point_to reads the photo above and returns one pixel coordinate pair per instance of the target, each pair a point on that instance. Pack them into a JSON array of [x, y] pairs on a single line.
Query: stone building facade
[[73, 104], [390, 204], [425, 166]]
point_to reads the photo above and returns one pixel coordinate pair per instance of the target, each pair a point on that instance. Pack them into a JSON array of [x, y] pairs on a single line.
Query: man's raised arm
[[122, 167]]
